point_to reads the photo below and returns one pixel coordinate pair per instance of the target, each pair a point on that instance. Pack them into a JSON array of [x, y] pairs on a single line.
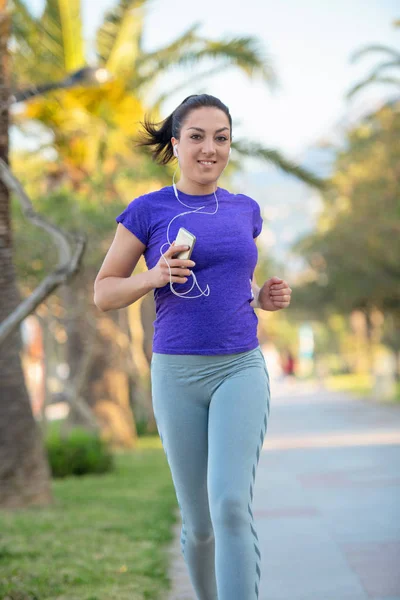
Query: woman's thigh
[[180, 404], [237, 424]]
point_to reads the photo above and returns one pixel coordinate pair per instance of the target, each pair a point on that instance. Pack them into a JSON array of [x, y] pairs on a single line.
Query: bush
[[141, 427], [77, 453]]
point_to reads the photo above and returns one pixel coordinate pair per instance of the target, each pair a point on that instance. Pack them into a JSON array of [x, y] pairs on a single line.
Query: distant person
[[289, 364], [210, 383]]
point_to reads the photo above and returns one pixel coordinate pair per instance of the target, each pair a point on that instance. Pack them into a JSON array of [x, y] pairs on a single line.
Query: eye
[[221, 137]]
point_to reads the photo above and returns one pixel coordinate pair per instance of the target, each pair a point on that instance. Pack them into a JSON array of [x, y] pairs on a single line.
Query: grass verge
[[360, 385], [104, 538], [350, 382]]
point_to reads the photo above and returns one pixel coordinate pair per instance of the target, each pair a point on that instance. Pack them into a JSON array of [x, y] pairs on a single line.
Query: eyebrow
[[203, 131]]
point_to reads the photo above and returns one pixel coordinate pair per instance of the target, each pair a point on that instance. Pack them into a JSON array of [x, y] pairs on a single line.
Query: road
[[326, 500]]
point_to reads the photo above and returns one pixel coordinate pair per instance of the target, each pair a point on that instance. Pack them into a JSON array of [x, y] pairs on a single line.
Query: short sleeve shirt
[[221, 320]]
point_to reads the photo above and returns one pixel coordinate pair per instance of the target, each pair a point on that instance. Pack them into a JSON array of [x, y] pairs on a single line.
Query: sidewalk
[[326, 501]]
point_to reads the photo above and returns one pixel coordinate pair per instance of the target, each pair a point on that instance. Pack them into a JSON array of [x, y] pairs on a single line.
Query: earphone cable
[[205, 292]]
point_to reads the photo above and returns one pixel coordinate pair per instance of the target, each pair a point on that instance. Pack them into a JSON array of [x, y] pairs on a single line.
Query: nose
[[208, 147]]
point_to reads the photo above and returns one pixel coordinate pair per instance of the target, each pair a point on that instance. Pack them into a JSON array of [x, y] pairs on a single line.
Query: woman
[[210, 383]]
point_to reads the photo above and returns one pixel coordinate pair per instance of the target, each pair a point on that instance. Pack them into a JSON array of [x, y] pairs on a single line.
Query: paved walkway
[[326, 501]]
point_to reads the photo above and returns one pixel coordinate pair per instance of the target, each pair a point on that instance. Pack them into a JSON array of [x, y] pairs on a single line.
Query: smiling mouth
[[207, 163]]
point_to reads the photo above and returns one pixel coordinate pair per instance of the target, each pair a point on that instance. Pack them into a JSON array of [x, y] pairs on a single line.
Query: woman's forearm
[[111, 293]]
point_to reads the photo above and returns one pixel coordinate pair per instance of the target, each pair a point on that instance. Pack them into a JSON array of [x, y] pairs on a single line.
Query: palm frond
[[244, 53], [385, 65], [47, 47], [167, 55], [125, 50], [24, 28], [368, 81], [22, 21], [50, 35], [195, 80], [108, 36], [255, 150], [374, 49], [71, 28]]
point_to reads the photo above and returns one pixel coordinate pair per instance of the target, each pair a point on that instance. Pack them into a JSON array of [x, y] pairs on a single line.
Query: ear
[[174, 143]]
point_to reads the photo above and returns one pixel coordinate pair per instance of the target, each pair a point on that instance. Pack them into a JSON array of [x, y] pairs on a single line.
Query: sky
[[309, 44]]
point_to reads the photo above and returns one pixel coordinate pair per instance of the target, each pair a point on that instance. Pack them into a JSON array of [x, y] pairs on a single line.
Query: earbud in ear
[[175, 150], [230, 150]]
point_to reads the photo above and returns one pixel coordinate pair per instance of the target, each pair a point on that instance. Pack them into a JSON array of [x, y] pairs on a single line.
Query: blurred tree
[[93, 127], [24, 471], [380, 73], [353, 256]]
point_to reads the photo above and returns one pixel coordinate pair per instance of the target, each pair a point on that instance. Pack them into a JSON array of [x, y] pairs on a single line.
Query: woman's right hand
[[160, 275]]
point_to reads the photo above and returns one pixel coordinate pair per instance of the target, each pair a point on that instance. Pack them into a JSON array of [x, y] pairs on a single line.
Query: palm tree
[[379, 74], [24, 472], [52, 45]]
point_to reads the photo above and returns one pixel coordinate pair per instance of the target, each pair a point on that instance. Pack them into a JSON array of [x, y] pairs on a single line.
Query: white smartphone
[[185, 238]]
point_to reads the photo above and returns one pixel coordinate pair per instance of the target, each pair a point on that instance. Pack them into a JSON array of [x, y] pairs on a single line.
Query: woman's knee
[[230, 511], [200, 535]]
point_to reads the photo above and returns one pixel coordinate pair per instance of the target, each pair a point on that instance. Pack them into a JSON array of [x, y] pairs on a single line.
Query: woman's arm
[[115, 286]]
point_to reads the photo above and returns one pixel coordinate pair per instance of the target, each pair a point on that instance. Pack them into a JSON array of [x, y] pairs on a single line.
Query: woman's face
[[204, 137]]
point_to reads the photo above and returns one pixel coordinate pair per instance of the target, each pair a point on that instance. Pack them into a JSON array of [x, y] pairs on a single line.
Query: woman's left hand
[[274, 294]]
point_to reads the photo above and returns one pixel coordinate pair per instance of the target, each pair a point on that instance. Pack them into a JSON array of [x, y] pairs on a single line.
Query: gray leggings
[[212, 414]]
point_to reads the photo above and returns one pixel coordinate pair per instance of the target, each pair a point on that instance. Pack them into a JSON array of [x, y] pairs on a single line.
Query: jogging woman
[[210, 382]]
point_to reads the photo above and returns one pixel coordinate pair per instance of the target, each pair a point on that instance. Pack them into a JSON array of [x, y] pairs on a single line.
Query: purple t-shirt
[[225, 255]]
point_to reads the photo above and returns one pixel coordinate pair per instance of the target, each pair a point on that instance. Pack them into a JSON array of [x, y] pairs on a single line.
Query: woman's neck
[[196, 189]]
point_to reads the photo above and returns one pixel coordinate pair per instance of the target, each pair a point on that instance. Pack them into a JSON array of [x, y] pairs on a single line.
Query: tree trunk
[[142, 402], [148, 315], [107, 388], [24, 471]]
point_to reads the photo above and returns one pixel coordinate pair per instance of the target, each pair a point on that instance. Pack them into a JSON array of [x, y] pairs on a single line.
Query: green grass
[[352, 382], [104, 538], [360, 385], [397, 399]]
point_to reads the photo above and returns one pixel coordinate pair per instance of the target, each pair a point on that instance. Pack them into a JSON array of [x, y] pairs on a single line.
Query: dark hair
[[159, 134]]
